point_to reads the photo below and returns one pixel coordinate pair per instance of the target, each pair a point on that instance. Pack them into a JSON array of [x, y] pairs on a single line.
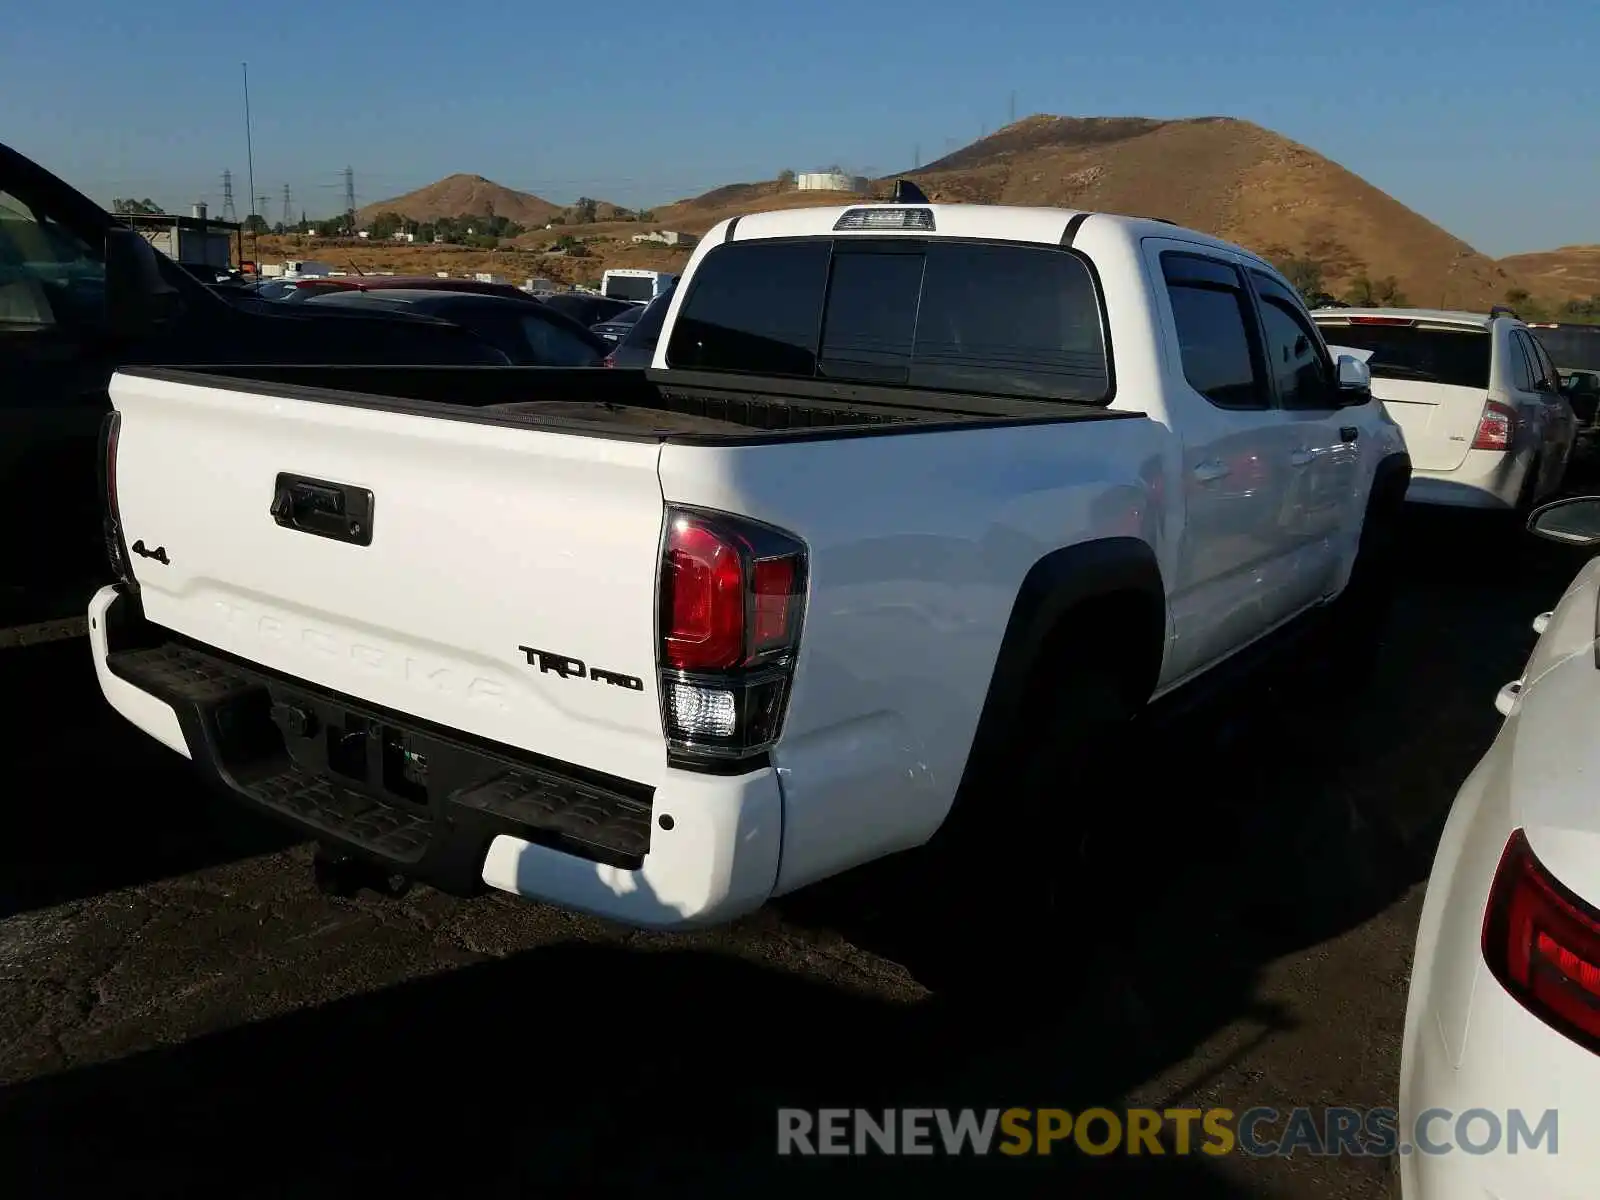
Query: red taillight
[[703, 597], [1496, 428], [1542, 943], [732, 599]]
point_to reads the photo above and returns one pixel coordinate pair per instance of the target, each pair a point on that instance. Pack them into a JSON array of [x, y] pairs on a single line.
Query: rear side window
[[1216, 331], [1457, 356], [992, 318], [1521, 360]]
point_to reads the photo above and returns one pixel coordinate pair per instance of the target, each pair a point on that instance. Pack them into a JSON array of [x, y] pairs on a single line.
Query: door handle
[[1348, 434], [1301, 458], [1208, 472]]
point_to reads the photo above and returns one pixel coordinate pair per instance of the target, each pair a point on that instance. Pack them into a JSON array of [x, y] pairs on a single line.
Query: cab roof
[[990, 221]]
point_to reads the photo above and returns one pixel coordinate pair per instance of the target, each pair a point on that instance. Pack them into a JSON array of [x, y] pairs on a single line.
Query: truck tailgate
[[484, 544]]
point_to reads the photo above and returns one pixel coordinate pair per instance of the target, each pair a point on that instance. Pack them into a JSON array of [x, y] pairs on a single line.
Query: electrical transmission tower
[[229, 214], [261, 208], [350, 197], [288, 213]]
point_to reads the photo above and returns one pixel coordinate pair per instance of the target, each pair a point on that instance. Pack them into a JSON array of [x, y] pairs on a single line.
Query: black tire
[[1354, 642], [1020, 852]]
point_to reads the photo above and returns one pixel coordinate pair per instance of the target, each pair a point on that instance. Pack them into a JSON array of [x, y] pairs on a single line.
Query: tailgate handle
[[338, 511]]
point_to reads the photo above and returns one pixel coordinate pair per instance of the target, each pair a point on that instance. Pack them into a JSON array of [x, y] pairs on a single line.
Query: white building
[[667, 237], [830, 181]]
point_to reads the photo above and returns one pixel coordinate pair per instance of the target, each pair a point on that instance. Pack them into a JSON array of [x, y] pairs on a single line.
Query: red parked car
[[322, 284]]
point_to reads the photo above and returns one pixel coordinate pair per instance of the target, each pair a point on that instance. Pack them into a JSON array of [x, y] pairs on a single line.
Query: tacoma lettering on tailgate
[[418, 673]]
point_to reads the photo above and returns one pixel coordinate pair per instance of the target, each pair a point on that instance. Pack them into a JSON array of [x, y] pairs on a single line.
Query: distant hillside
[[1570, 273], [1216, 174], [465, 195]]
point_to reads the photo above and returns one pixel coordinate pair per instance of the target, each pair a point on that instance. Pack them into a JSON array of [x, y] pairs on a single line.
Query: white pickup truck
[[914, 500]]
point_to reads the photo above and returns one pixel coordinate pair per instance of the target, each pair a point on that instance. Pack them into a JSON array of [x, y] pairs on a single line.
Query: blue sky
[[1484, 116]]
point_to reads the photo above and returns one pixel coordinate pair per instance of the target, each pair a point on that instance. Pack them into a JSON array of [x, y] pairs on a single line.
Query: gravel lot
[[181, 1012]]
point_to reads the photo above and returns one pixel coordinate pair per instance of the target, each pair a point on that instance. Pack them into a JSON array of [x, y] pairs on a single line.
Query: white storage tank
[[830, 181]]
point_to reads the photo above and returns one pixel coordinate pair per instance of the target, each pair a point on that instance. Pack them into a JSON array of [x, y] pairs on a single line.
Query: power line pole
[[916, 157], [229, 214], [288, 213], [350, 197]]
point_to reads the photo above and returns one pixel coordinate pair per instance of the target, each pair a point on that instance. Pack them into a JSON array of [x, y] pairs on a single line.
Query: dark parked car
[[1582, 389], [82, 295], [615, 329], [528, 334], [585, 309], [638, 345]]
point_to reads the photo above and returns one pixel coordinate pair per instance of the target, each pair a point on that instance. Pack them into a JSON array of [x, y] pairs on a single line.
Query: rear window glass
[[997, 319], [1454, 356]]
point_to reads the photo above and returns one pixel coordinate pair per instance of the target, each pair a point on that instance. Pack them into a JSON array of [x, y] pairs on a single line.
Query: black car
[[82, 295], [530, 335], [638, 345], [615, 329], [585, 309]]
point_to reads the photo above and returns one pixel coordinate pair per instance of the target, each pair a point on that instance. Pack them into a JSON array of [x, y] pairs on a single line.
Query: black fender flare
[[1058, 583], [1390, 481]]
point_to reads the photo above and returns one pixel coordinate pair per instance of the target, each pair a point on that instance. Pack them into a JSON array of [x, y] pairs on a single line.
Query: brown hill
[[1570, 273], [462, 195], [1216, 174]]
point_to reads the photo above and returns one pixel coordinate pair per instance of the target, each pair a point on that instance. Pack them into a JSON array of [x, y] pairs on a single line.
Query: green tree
[[256, 223], [386, 224], [130, 205], [586, 209], [786, 178], [1368, 293], [1305, 275]]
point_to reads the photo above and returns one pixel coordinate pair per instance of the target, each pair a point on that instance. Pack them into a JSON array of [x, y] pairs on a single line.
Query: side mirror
[[1355, 381], [1574, 521], [138, 297]]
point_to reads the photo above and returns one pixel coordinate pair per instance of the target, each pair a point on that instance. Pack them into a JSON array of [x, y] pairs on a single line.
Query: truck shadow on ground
[[572, 1070], [586, 1068], [95, 805]]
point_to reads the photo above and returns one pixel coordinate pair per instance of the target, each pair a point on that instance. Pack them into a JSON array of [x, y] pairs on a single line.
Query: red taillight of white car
[[1496, 428], [732, 603], [1542, 942]]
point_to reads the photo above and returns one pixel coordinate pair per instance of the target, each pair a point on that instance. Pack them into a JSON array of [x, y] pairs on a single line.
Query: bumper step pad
[[226, 714]]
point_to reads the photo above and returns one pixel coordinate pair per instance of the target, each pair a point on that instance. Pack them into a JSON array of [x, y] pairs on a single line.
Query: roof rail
[[1503, 310]]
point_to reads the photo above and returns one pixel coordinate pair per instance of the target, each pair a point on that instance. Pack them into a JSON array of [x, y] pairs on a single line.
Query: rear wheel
[[1021, 854], [1356, 624]]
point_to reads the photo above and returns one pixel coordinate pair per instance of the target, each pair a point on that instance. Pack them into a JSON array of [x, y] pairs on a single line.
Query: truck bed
[[676, 406]]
